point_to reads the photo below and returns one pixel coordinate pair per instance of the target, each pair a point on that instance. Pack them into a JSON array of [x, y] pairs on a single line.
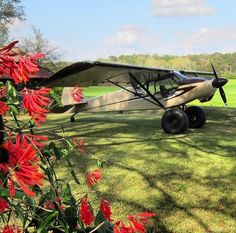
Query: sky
[[92, 29]]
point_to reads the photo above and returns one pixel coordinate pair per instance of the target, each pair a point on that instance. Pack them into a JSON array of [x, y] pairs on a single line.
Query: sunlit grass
[[188, 180]]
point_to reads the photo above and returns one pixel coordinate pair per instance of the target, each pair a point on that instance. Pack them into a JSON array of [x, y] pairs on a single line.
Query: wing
[[101, 73]]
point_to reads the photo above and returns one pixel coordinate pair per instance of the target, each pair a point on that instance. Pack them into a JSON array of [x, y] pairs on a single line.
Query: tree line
[[224, 63]]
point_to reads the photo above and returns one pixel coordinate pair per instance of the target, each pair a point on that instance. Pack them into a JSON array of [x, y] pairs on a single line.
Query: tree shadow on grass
[[169, 204], [110, 134]]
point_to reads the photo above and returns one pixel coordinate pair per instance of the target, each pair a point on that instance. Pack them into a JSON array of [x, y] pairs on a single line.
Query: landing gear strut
[[72, 119]]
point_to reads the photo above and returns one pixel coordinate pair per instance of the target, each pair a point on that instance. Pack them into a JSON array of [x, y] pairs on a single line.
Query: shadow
[[191, 173]]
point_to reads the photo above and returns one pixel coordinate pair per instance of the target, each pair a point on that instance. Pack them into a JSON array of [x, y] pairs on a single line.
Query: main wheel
[[196, 117], [174, 121]]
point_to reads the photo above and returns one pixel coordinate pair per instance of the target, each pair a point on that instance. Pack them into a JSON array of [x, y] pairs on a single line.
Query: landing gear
[[175, 121], [72, 119], [196, 117]]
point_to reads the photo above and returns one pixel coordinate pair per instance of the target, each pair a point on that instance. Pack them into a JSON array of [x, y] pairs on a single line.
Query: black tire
[[196, 117], [174, 121]]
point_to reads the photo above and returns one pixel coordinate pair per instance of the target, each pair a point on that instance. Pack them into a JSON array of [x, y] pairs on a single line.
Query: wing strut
[[134, 93], [147, 91]]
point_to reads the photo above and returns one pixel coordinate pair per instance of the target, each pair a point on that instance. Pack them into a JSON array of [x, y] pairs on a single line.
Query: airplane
[[142, 88]]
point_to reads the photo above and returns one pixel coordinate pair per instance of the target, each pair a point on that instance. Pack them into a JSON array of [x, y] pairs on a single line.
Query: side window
[[166, 87]]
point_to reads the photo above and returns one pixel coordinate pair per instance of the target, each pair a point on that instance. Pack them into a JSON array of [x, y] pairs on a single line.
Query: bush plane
[[142, 88]]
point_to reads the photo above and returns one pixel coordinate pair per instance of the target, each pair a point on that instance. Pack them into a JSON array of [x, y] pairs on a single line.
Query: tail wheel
[[196, 117], [175, 121], [72, 119]]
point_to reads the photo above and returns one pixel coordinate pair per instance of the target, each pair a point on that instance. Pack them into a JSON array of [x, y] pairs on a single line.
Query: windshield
[[179, 76]]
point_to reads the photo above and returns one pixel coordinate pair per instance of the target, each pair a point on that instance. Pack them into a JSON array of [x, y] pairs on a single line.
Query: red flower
[[34, 139], [3, 108], [77, 94], [120, 227], [3, 204], [85, 212], [11, 229], [2, 92], [106, 209], [138, 221], [23, 166], [51, 205], [18, 67], [93, 177], [36, 101], [80, 144], [8, 47]]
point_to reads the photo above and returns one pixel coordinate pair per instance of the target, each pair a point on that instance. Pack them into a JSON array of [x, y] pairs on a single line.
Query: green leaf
[[99, 218], [20, 215], [48, 173], [70, 144], [18, 195], [45, 223], [100, 164], [68, 198], [64, 152], [13, 107], [52, 146], [56, 98], [71, 217], [75, 177], [11, 92], [105, 228]]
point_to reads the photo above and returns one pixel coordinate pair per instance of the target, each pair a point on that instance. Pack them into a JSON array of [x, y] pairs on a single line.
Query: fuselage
[[124, 100]]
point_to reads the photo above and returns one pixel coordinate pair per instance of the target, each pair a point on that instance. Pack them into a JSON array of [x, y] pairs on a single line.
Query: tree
[[36, 43], [4, 35], [9, 10]]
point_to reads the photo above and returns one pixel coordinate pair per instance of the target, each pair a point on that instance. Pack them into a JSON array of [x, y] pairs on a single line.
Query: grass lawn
[[189, 180]]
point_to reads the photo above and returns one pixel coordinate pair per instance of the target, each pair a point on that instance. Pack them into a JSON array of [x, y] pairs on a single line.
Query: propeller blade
[[214, 71], [223, 96], [219, 84]]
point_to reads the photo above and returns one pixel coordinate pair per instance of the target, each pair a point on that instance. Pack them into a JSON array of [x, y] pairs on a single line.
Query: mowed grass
[[188, 180]]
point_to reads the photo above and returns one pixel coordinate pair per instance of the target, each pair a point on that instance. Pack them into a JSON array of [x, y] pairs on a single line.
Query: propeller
[[219, 83]]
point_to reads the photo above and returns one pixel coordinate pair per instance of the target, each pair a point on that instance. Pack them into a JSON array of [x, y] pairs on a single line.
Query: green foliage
[[224, 63], [9, 10], [45, 224], [37, 43]]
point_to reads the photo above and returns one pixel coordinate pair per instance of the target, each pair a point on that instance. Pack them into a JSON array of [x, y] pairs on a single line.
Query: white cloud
[[140, 40], [179, 8], [209, 39], [129, 36]]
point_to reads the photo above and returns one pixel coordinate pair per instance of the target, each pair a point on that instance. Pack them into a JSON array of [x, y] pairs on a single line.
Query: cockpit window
[[164, 87], [178, 76]]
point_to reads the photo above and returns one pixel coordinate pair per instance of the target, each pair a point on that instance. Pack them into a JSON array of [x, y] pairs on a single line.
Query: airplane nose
[[219, 82]]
